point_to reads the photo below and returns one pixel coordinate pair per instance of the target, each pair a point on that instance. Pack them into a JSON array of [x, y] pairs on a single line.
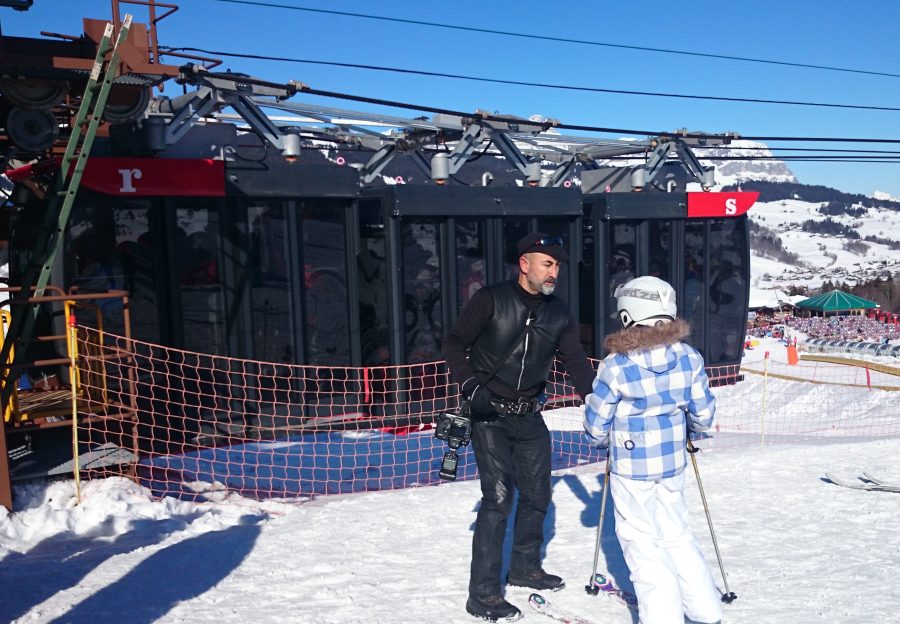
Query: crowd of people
[[838, 327]]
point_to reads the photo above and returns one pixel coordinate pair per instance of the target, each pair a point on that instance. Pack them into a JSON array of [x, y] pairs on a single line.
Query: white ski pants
[[670, 575]]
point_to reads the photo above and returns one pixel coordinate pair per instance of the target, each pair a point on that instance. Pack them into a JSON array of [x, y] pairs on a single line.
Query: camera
[[457, 431]]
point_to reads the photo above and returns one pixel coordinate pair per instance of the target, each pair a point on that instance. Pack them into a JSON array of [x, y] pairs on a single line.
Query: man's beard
[[548, 288]]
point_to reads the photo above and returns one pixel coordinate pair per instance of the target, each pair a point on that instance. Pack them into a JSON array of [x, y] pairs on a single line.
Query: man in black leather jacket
[[500, 352]]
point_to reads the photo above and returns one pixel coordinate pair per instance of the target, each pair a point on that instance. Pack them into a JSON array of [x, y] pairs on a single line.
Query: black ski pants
[[511, 452]]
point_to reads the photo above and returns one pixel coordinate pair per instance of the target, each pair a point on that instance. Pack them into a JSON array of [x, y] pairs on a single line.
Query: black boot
[[492, 608], [537, 579]]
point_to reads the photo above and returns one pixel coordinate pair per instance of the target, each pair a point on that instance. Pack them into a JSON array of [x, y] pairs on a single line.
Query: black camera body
[[456, 430]]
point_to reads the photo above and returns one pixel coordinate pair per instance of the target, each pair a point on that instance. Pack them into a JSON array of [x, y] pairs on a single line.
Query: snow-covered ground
[[796, 548], [824, 257]]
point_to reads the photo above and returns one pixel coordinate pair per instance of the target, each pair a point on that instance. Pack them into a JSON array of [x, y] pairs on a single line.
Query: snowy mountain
[[885, 196], [731, 171]]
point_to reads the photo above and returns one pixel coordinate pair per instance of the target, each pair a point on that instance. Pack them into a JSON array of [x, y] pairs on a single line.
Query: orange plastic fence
[[279, 430]]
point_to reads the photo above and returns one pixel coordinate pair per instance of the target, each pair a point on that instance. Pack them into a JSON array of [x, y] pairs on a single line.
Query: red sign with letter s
[[719, 204]]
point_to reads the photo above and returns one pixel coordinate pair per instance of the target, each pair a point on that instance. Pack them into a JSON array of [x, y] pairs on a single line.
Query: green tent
[[836, 301]]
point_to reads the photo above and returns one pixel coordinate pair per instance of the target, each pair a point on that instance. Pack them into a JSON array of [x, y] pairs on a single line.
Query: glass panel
[[586, 300], [109, 246], [660, 246], [620, 260], [422, 291], [470, 259], [693, 300], [267, 267], [196, 254], [324, 268], [727, 288], [373, 288], [513, 231]]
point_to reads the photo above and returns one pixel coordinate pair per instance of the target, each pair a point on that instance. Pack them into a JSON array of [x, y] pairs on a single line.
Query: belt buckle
[[523, 407]]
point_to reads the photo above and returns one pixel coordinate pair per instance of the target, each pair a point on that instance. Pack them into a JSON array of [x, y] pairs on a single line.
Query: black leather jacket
[[527, 367]]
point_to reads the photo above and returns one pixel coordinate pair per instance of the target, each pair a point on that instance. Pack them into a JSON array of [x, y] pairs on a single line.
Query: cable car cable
[[502, 118], [506, 33], [542, 85]]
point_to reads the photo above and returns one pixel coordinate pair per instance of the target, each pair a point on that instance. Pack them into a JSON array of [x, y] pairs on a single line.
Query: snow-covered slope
[[824, 257], [820, 257]]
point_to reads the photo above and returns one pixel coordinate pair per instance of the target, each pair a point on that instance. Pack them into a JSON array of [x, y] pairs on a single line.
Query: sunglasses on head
[[549, 241]]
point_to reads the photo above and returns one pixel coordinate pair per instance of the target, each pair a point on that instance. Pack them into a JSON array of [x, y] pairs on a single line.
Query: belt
[[519, 407]]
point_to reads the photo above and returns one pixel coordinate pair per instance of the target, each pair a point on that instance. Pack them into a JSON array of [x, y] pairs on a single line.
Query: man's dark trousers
[[511, 452]]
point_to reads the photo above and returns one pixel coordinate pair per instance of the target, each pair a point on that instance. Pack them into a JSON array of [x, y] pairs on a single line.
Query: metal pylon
[[61, 197]]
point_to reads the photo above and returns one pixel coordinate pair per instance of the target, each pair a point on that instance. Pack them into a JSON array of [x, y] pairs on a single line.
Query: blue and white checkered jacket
[[644, 401]]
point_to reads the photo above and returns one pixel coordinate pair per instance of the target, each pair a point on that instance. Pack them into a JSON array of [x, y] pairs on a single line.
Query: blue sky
[[860, 36]]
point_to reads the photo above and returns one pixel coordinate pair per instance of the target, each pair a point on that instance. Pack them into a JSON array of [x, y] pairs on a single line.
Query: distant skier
[[649, 391]]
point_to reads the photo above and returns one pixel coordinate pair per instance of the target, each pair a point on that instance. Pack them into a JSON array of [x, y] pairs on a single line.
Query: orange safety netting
[[267, 429]]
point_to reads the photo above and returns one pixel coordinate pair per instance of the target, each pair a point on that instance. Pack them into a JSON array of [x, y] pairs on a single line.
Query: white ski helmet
[[645, 300]]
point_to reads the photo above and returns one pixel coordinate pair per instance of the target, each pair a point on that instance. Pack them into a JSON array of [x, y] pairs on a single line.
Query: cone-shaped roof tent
[[836, 301]]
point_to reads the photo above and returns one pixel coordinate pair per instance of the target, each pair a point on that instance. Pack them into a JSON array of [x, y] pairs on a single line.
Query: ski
[[542, 605], [881, 480], [605, 585], [869, 485]]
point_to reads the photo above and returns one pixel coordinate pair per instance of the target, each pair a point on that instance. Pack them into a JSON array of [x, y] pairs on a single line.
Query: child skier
[[648, 392]]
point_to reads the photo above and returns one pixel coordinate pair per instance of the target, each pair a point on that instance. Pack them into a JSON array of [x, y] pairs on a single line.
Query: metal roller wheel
[[33, 94], [32, 131], [126, 104]]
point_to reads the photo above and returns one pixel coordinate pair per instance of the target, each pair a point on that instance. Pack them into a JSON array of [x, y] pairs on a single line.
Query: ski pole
[[729, 596], [592, 587]]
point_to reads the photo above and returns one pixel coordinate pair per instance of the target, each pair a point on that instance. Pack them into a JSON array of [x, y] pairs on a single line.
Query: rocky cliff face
[[732, 166]]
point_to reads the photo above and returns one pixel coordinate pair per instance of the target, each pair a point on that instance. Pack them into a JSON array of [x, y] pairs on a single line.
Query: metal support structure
[[197, 105], [703, 175], [473, 137], [525, 143], [657, 159], [559, 175], [687, 158], [221, 90], [531, 169], [429, 167], [379, 161], [61, 197]]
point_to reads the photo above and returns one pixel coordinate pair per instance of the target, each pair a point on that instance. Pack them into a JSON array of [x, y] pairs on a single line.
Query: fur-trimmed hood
[[640, 338]]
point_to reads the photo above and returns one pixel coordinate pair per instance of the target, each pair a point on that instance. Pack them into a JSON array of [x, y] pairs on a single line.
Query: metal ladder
[[61, 197]]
